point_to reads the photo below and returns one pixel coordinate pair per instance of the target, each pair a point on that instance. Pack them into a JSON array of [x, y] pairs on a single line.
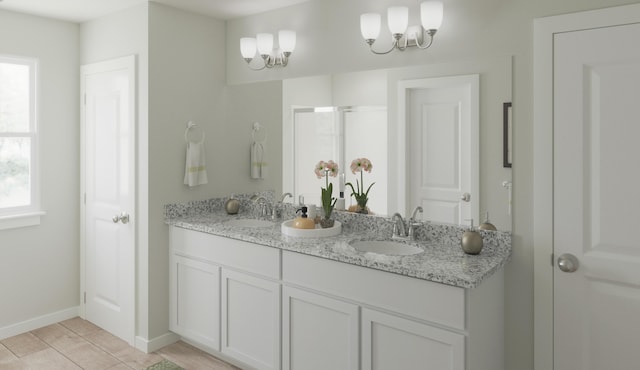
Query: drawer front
[[434, 302], [255, 258]]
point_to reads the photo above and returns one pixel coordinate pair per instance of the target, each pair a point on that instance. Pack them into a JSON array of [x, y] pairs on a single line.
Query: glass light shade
[[287, 40], [431, 15], [265, 43], [370, 25], [398, 19], [248, 47]]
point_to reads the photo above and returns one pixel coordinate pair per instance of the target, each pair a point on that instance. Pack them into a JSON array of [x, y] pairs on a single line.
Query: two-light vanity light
[[431, 14], [263, 44]]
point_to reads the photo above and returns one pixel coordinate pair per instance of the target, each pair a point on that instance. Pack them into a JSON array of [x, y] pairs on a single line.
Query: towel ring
[[192, 127], [259, 132]]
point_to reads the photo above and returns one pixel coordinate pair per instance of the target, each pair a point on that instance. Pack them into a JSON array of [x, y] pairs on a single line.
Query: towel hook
[[194, 127], [258, 133]]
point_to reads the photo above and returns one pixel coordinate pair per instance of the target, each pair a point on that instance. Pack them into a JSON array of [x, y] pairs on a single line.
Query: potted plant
[[327, 169], [362, 196]]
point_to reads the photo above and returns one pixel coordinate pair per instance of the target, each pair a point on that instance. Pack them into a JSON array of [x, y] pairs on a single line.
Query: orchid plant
[[362, 196], [327, 169]]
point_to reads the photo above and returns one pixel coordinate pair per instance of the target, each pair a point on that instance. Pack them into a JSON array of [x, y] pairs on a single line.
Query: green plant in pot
[[362, 197], [326, 169]]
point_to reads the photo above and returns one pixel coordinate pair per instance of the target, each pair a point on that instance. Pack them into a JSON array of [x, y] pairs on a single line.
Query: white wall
[[116, 35], [186, 82], [329, 42], [39, 265]]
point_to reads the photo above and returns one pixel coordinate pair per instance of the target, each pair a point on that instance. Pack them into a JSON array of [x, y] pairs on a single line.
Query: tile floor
[[78, 344]]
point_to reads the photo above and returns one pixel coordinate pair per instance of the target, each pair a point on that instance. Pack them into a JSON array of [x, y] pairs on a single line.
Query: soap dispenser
[[303, 221], [486, 225], [471, 241]]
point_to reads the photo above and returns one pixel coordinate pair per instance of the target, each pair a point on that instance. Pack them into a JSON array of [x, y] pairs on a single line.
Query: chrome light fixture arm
[[396, 45], [428, 43]]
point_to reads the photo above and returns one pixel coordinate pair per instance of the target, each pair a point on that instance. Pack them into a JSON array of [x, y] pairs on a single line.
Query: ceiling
[[84, 10]]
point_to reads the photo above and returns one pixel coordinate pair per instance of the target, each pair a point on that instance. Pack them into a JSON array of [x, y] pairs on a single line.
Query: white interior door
[[596, 198], [443, 150], [108, 172]]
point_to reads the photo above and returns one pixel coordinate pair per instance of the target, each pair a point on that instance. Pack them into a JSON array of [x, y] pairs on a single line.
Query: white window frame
[[29, 215]]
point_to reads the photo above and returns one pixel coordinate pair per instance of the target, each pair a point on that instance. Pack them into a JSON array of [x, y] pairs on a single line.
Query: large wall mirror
[[415, 124]]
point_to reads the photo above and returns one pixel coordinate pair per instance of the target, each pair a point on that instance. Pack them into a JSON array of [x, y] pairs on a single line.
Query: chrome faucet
[[399, 231], [285, 195], [404, 231], [263, 203], [413, 223], [276, 210]]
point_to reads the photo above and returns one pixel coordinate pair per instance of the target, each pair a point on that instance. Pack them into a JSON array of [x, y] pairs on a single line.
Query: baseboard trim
[[148, 346], [38, 322]]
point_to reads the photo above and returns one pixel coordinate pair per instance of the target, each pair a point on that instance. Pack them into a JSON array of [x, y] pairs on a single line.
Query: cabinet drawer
[[246, 256], [439, 303]]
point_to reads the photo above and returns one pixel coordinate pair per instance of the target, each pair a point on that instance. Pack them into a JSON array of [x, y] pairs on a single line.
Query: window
[[19, 193]]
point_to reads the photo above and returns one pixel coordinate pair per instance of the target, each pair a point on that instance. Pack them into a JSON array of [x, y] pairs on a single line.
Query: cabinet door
[[251, 319], [195, 301], [391, 342], [319, 333]]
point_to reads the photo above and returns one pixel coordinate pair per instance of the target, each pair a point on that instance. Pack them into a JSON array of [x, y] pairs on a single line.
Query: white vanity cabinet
[[251, 319], [225, 296], [195, 300], [318, 332], [267, 308]]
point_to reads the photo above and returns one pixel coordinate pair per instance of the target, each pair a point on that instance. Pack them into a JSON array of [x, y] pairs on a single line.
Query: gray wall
[[329, 42], [39, 265]]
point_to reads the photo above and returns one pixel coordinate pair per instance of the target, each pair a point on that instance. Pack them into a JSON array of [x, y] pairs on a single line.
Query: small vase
[[326, 223], [362, 207]]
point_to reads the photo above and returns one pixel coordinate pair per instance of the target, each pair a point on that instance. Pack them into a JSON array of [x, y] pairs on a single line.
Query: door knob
[[123, 217], [466, 197], [568, 263]]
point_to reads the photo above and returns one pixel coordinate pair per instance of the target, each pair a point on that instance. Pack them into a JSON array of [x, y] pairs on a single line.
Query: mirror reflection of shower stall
[[341, 134]]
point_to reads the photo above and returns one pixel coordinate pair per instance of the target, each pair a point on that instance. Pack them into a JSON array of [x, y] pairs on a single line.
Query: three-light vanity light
[[263, 45], [431, 14]]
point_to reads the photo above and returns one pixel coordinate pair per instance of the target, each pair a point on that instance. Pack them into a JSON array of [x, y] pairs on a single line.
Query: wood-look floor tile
[[191, 358], [84, 354], [120, 349], [7, 359], [80, 326], [49, 334], [24, 344], [120, 366], [48, 359]]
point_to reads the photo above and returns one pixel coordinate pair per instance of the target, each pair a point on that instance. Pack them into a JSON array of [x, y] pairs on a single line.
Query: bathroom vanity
[[266, 301]]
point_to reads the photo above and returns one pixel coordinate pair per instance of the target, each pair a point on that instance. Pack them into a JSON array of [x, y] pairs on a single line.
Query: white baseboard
[[38, 322], [152, 345]]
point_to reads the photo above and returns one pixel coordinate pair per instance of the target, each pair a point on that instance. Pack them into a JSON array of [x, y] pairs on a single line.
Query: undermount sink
[[386, 247], [249, 222]]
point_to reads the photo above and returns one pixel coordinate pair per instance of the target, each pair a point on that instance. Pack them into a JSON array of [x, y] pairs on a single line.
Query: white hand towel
[[195, 172], [258, 163]]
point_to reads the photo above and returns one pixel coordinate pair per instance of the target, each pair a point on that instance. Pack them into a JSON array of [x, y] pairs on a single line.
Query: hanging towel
[[195, 172], [258, 163]]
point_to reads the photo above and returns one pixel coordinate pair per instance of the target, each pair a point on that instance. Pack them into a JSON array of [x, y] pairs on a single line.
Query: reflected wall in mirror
[[340, 134], [383, 88]]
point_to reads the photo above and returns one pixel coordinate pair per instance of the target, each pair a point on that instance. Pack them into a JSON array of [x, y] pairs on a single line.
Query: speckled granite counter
[[443, 261]]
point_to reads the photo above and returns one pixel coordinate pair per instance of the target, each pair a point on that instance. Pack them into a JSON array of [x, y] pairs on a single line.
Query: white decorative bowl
[[288, 229]]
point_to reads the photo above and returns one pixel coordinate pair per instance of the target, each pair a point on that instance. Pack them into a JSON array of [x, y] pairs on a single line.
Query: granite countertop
[[443, 261]]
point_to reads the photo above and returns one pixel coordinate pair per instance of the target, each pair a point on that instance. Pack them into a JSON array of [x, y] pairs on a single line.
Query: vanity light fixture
[[431, 14], [263, 45]]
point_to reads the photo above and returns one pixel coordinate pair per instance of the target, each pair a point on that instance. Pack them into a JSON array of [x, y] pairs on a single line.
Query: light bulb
[[265, 43], [431, 15], [248, 47], [370, 25], [287, 40], [398, 19]]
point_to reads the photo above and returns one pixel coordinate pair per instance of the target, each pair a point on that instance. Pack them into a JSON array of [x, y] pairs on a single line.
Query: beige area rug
[[164, 365]]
